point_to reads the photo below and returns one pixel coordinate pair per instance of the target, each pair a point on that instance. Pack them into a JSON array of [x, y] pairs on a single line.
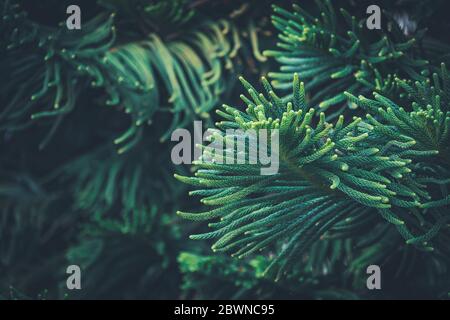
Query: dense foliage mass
[[86, 177]]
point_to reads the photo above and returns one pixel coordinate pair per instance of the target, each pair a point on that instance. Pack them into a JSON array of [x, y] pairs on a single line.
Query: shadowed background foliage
[[86, 176]]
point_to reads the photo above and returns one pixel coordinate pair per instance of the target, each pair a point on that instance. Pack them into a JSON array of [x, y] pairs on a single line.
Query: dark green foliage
[[102, 191], [423, 117], [137, 252], [104, 182], [337, 53], [421, 129], [336, 179], [329, 267], [147, 16], [221, 277], [185, 74], [34, 227], [86, 176], [328, 172]]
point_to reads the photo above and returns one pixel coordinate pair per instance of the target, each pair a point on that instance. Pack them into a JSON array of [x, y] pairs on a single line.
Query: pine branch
[[185, 76], [337, 53], [328, 172]]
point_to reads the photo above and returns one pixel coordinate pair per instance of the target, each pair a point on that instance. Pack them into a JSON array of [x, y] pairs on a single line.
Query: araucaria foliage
[[330, 172], [340, 176], [330, 152]]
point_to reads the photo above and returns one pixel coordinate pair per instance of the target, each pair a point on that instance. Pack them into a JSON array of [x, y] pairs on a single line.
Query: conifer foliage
[[86, 178], [335, 175]]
